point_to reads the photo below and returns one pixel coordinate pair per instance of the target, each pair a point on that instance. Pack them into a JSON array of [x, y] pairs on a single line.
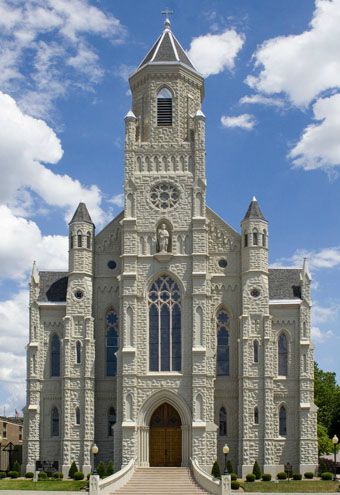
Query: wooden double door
[[165, 437]]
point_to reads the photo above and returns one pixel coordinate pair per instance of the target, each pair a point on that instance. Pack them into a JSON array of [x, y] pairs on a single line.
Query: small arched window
[[164, 108], [77, 416], [79, 239], [282, 355], [223, 422], [222, 365], [256, 415], [55, 355], [88, 240], [111, 343], [264, 238], [111, 421], [54, 422], [78, 352], [255, 237], [256, 351], [282, 422]]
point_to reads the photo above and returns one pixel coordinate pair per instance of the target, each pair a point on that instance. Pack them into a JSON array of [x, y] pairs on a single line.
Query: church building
[[169, 336]]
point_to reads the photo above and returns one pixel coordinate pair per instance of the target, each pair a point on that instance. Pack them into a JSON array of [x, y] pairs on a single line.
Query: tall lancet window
[[222, 361], [164, 107], [165, 325], [282, 355], [55, 355], [112, 343]]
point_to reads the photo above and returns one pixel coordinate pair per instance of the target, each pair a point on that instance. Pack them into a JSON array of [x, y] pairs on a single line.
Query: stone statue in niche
[[163, 238]]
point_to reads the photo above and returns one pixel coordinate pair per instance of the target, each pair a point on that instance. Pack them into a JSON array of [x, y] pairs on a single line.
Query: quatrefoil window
[[164, 196]]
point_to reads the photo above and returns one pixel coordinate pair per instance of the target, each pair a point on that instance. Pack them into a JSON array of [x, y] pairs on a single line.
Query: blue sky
[[272, 106]]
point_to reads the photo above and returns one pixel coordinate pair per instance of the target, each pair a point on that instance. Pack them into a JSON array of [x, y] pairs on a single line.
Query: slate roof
[[254, 211], [284, 283], [167, 49], [53, 286], [81, 214]]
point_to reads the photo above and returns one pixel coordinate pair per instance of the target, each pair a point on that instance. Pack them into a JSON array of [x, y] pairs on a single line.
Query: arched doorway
[[165, 437]]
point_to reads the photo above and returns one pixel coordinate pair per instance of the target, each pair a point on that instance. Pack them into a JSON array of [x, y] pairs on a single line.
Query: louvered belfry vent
[[164, 108]]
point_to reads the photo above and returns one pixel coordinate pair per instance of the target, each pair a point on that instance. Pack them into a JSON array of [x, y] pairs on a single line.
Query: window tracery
[[222, 322]]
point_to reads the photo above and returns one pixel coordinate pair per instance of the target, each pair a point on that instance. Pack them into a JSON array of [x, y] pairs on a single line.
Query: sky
[[272, 104]]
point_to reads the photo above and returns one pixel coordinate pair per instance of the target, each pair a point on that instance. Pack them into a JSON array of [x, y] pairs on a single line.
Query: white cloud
[[262, 100], [124, 71], [322, 314], [244, 121], [26, 143], [319, 145], [118, 200], [22, 242], [41, 40], [215, 53], [303, 65], [317, 259], [320, 336]]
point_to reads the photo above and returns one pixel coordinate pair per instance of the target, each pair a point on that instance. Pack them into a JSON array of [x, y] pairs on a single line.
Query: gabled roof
[[167, 49], [81, 214], [285, 283], [254, 211]]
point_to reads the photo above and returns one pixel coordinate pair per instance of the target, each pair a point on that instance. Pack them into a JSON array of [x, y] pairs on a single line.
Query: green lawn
[[60, 486], [291, 486]]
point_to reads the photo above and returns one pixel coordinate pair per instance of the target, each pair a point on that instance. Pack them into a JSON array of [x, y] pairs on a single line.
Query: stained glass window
[[282, 355], [164, 325], [55, 356], [222, 321], [223, 422], [55, 422], [282, 421], [111, 421], [112, 344]]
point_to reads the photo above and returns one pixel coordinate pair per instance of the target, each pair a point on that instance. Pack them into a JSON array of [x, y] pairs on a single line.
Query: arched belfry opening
[[165, 437]]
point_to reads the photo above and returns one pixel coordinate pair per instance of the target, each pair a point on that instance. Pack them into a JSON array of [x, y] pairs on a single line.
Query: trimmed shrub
[[16, 467], [309, 475], [266, 477], [42, 475], [57, 475], [73, 469], [322, 467], [88, 476], [101, 469], [109, 469], [2, 475], [297, 477], [13, 474], [215, 471], [250, 477], [78, 475], [230, 467], [29, 475], [233, 476], [257, 470], [281, 476], [235, 485], [326, 476]]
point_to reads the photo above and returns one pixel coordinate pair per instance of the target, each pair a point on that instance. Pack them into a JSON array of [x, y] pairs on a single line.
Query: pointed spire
[[305, 269], [35, 273], [81, 215], [130, 116], [254, 211]]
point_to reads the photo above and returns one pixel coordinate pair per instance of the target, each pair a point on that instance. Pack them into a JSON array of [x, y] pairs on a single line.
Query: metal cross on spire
[[166, 13]]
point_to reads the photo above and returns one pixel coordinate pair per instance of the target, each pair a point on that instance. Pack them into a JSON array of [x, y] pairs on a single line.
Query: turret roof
[[254, 211], [81, 214], [167, 49]]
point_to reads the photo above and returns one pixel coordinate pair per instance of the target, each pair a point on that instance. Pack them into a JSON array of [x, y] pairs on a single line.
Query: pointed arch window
[[112, 344], [282, 355], [54, 422], [79, 239], [282, 422], [164, 325], [264, 238], [77, 416], [55, 355], [223, 422], [222, 321], [256, 351], [255, 237], [111, 421], [88, 240], [164, 108], [78, 352]]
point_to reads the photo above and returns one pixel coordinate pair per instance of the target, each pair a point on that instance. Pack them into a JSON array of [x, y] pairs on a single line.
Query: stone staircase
[[161, 481]]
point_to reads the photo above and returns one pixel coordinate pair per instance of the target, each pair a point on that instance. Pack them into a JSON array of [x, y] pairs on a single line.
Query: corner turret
[[81, 239], [254, 239]]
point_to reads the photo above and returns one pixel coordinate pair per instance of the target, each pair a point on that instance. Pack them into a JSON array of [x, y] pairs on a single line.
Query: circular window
[[164, 196], [78, 294], [112, 264], [255, 293], [222, 263]]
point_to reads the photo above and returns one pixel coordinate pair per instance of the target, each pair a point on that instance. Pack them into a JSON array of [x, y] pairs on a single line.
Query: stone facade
[[215, 268]]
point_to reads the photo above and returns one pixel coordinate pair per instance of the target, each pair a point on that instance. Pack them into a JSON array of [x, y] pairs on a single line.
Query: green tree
[[230, 467], [325, 445], [257, 470], [109, 469], [326, 397], [101, 469], [73, 469], [215, 472]]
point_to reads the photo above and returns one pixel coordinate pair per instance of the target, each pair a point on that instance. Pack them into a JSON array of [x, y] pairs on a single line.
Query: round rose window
[[164, 196]]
